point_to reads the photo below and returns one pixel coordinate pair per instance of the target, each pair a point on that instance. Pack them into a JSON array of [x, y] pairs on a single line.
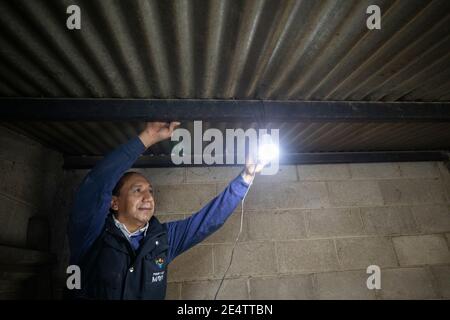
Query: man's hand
[[251, 169], [155, 132]]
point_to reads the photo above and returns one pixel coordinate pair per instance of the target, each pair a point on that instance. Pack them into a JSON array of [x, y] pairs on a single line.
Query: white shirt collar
[[125, 231]]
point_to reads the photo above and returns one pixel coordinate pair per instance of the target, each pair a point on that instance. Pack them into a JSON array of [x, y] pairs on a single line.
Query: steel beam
[[148, 161], [24, 109]]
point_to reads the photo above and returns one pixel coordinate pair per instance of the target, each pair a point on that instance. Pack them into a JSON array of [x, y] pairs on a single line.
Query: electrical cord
[[237, 238]]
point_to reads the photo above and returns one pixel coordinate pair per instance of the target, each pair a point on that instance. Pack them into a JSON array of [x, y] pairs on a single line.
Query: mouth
[[145, 208]]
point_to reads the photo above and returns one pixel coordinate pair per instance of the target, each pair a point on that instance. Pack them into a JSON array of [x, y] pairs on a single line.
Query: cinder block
[[354, 193], [253, 258], [348, 285], [275, 224], [418, 250], [183, 198], [28, 171], [232, 289], [444, 168], [15, 215], [6, 211], [163, 176], [21, 149], [224, 175], [442, 277], [194, 264], [307, 256], [6, 176], [389, 220], [334, 222], [16, 182], [296, 287], [432, 218], [445, 178], [359, 253], [52, 183], [374, 170], [409, 191], [406, 283], [419, 169], [212, 174], [44, 185], [163, 218], [323, 172], [33, 184], [18, 256], [289, 195], [230, 230], [173, 291], [27, 176], [11, 290], [284, 174]]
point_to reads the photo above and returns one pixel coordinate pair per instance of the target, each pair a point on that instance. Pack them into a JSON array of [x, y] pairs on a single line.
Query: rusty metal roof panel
[[288, 50], [98, 138]]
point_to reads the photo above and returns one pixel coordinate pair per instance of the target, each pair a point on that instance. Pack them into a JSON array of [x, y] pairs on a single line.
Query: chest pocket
[[155, 265], [156, 260]]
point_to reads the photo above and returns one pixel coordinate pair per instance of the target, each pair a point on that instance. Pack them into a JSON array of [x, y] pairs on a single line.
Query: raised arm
[[184, 234], [93, 198]]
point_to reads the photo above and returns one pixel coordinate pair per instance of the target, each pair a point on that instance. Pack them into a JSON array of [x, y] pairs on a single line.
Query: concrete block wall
[[311, 231], [30, 176]]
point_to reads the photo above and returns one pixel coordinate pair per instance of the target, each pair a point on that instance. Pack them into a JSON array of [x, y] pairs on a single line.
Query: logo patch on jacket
[[159, 262], [158, 276]]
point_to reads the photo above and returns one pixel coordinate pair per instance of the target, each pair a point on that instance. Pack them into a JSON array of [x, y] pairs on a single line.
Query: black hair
[[121, 182]]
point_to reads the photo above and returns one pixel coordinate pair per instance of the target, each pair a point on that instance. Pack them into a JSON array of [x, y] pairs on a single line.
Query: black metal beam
[[147, 161], [25, 109]]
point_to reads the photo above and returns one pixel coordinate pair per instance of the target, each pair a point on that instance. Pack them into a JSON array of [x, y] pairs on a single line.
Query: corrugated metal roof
[[98, 138], [278, 50], [298, 50]]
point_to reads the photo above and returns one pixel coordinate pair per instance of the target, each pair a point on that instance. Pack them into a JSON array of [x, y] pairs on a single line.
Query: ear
[[115, 203]]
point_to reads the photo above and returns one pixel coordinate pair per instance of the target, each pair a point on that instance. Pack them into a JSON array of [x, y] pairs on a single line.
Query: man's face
[[135, 204]]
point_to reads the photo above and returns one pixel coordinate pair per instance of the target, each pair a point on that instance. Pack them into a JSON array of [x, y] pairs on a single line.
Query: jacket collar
[[154, 229]]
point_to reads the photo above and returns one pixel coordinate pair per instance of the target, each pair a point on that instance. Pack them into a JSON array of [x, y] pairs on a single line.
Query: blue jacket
[[110, 267]]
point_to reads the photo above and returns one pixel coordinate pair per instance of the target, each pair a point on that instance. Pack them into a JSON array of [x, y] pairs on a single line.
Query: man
[[124, 254]]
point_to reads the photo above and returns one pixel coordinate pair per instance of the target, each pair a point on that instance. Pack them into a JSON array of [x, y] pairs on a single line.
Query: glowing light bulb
[[267, 150]]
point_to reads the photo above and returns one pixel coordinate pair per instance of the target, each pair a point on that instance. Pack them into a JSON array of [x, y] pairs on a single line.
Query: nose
[[148, 196]]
